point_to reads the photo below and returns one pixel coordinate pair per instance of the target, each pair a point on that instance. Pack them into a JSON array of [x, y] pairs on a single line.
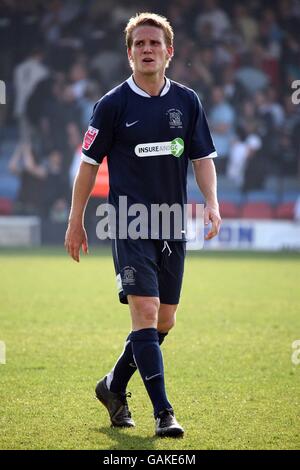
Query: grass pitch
[[228, 363]]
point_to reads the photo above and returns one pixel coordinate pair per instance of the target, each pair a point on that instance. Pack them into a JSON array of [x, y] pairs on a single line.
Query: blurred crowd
[[58, 57]]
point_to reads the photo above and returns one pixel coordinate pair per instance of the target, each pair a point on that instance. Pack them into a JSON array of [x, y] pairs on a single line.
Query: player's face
[[149, 53]]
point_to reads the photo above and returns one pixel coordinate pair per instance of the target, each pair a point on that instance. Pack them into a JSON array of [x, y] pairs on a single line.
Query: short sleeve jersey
[[148, 141]]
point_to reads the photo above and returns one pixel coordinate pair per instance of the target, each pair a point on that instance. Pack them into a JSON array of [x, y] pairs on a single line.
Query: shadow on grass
[[126, 441]]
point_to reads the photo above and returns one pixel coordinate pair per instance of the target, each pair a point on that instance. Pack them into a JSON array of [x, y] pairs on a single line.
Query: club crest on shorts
[[128, 276], [89, 137]]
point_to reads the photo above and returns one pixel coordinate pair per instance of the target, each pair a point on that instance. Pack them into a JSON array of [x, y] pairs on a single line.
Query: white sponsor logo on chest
[[153, 149]]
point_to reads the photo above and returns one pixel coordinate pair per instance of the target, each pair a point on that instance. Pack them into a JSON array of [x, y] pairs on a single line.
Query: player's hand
[[75, 239], [212, 214]]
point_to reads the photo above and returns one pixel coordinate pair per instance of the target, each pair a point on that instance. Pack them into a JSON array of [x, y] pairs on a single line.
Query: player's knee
[[167, 325], [149, 313], [146, 310]]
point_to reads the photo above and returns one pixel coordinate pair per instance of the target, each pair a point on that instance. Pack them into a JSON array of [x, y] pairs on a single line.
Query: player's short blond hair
[[149, 19]]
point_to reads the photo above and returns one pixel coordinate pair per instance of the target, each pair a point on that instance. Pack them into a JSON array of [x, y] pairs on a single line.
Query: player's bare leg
[[166, 318]]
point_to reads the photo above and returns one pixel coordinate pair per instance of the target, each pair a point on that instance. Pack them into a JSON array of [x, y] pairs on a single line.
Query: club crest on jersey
[[174, 118], [89, 137]]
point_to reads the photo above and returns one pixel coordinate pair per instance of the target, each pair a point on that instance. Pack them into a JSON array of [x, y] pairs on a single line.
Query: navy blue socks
[[125, 367], [123, 370], [149, 361]]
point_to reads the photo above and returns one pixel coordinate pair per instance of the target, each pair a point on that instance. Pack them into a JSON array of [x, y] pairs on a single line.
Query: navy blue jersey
[[148, 141]]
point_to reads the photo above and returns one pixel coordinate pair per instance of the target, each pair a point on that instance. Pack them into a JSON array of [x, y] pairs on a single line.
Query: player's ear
[[170, 51], [130, 59]]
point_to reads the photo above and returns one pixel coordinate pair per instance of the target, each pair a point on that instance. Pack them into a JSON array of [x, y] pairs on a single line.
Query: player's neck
[[152, 84]]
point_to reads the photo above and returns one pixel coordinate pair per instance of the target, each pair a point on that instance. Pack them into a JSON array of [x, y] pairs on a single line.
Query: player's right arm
[[76, 236], [96, 145]]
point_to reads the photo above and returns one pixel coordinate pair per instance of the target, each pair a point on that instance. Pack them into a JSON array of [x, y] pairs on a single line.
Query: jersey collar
[[143, 93]]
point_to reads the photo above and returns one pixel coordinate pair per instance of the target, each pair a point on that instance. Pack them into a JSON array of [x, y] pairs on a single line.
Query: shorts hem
[[123, 295]]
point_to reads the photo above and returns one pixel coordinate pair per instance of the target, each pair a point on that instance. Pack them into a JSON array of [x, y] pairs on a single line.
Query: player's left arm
[[205, 174]]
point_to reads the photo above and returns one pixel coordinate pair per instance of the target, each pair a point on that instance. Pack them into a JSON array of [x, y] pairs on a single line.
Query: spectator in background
[[248, 119], [290, 58], [24, 163], [251, 77], [113, 60], [229, 48], [78, 81], [88, 100], [182, 14], [285, 161], [296, 145], [27, 75], [269, 115], [43, 178], [271, 32], [55, 188], [274, 107], [292, 114], [245, 24], [74, 167], [205, 36], [233, 90], [255, 165], [185, 51], [241, 150], [203, 71], [57, 14], [215, 17], [266, 60], [222, 120], [73, 137], [60, 110]]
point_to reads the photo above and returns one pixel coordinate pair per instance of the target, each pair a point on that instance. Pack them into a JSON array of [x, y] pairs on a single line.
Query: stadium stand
[[256, 210], [285, 210], [241, 67], [269, 196], [231, 195], [229, 210], [6, 206], [289, 196]]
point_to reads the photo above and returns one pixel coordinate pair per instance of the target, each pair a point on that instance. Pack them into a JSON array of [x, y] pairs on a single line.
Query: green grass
[[228, 361]]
